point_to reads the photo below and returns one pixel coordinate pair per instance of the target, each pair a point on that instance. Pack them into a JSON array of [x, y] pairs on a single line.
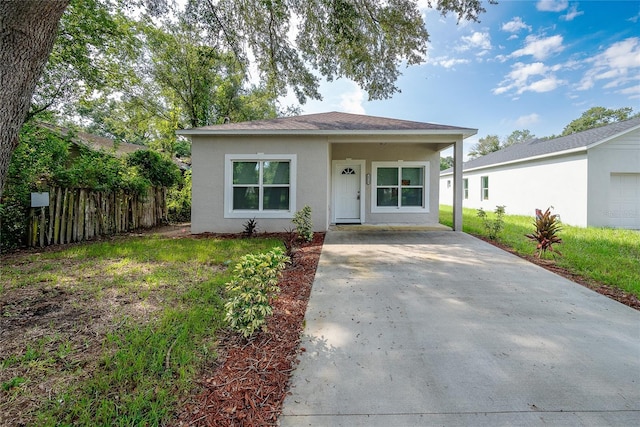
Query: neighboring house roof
[[95, 142], [537, 148], [335, 123]]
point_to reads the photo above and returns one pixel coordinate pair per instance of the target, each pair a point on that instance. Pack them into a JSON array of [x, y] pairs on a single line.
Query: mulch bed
[[249, 383]]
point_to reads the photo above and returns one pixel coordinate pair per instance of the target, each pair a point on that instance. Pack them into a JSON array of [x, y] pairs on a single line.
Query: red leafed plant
[[546, 233]]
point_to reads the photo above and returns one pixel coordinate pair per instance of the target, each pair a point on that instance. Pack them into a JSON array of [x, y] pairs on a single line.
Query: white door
[[347, 178], [624, 206]]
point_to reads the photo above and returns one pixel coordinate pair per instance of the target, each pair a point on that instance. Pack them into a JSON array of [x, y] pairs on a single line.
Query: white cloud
[[545, 85], [619, 65], [351, 102], [540, 48], [447, 61], [528, 120], [515, 25], [632, 91], [552, 5], [572, 13], [534, 77], [476, 41]]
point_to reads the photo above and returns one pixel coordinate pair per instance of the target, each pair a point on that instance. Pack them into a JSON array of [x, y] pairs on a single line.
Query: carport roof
[[332, 123]]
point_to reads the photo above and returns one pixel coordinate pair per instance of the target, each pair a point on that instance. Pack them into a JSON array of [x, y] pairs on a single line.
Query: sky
[[528, 64]]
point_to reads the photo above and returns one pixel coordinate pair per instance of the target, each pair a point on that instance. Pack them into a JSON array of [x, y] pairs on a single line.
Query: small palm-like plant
[[546, 232]]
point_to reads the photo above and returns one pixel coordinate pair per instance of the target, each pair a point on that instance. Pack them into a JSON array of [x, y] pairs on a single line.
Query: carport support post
[[457, 185]]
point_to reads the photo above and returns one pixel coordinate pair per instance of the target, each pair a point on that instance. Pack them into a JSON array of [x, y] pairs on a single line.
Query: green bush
[[495, 226], [250, 291], [302, 221], [43, 159], [159, 170], [179, 200]]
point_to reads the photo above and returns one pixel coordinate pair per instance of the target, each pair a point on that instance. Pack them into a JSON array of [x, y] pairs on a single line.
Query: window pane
[[245, 198], [412, 176], [246, 172], [387, 196], [276, 198], [275, 173], [412, 197], [387, 176]]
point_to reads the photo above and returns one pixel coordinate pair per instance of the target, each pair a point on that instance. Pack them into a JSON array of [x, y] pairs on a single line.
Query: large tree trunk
[[28, 29]]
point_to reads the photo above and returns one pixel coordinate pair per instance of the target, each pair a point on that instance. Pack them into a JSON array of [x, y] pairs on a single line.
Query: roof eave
[[576, 150], [609, 138], [465, 132]]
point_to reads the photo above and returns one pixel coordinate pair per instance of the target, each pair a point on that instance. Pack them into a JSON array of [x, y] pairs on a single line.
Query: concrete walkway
[[440, 328]]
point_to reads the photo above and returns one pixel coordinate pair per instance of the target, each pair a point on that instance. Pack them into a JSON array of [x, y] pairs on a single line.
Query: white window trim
[[483, 188], [393, 209], [228, 186], [465, 188]]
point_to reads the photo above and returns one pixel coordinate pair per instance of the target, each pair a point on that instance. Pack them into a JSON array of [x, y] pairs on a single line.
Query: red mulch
[[248, 386], [619, 295]]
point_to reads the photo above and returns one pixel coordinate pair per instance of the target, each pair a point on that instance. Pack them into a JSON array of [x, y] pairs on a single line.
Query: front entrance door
[[347, 191]]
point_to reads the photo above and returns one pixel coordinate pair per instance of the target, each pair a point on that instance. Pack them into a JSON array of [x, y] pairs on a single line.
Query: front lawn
[[608, 256], [111, 333]]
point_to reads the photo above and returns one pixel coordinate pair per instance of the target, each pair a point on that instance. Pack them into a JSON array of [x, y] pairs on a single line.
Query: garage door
[[624, 211]]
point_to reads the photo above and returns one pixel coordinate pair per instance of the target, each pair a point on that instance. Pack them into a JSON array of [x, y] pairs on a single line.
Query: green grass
[[145, 362], [608, 256]]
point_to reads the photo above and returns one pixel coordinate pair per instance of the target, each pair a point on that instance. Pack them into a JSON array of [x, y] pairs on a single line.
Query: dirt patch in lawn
[[617, 294], [51, 337]]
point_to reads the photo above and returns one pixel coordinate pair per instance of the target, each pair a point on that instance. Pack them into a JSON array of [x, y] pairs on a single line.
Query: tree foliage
[[366, 41], [491, 143], [446, 162], [598, 116]]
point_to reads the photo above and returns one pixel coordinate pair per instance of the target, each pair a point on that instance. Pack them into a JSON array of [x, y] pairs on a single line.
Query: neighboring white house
[[348, 168], [591, 178]]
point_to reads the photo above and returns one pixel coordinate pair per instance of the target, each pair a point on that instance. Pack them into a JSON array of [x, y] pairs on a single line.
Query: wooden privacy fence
[[77, 214]]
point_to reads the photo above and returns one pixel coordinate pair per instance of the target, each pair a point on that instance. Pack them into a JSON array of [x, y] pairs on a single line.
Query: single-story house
[[348, 168], [591, 178]]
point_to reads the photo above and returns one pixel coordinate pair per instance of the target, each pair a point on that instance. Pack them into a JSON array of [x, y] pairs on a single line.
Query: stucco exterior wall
[[618, 156], [379, 152], [208, 164], [522, 187]]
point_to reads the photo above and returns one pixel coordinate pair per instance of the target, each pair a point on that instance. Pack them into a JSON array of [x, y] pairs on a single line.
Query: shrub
[[547, 227], [250, 291], [289, 240], [159, 170], [493, 227], [302, 221], [250, 228], [179, 200]]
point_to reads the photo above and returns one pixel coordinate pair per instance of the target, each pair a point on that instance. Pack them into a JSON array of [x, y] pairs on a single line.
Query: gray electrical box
[[39, 200]]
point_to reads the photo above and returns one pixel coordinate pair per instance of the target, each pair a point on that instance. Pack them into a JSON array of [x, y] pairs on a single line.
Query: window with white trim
[[484, 190], [400, 187], [465, 188], [260, 186]]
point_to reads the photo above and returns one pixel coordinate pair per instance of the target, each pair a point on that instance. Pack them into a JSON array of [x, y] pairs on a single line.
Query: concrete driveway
[[440, 328]]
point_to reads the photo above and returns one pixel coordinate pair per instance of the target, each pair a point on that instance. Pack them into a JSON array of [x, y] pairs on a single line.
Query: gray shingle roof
[[541, 147], [333, 122]]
